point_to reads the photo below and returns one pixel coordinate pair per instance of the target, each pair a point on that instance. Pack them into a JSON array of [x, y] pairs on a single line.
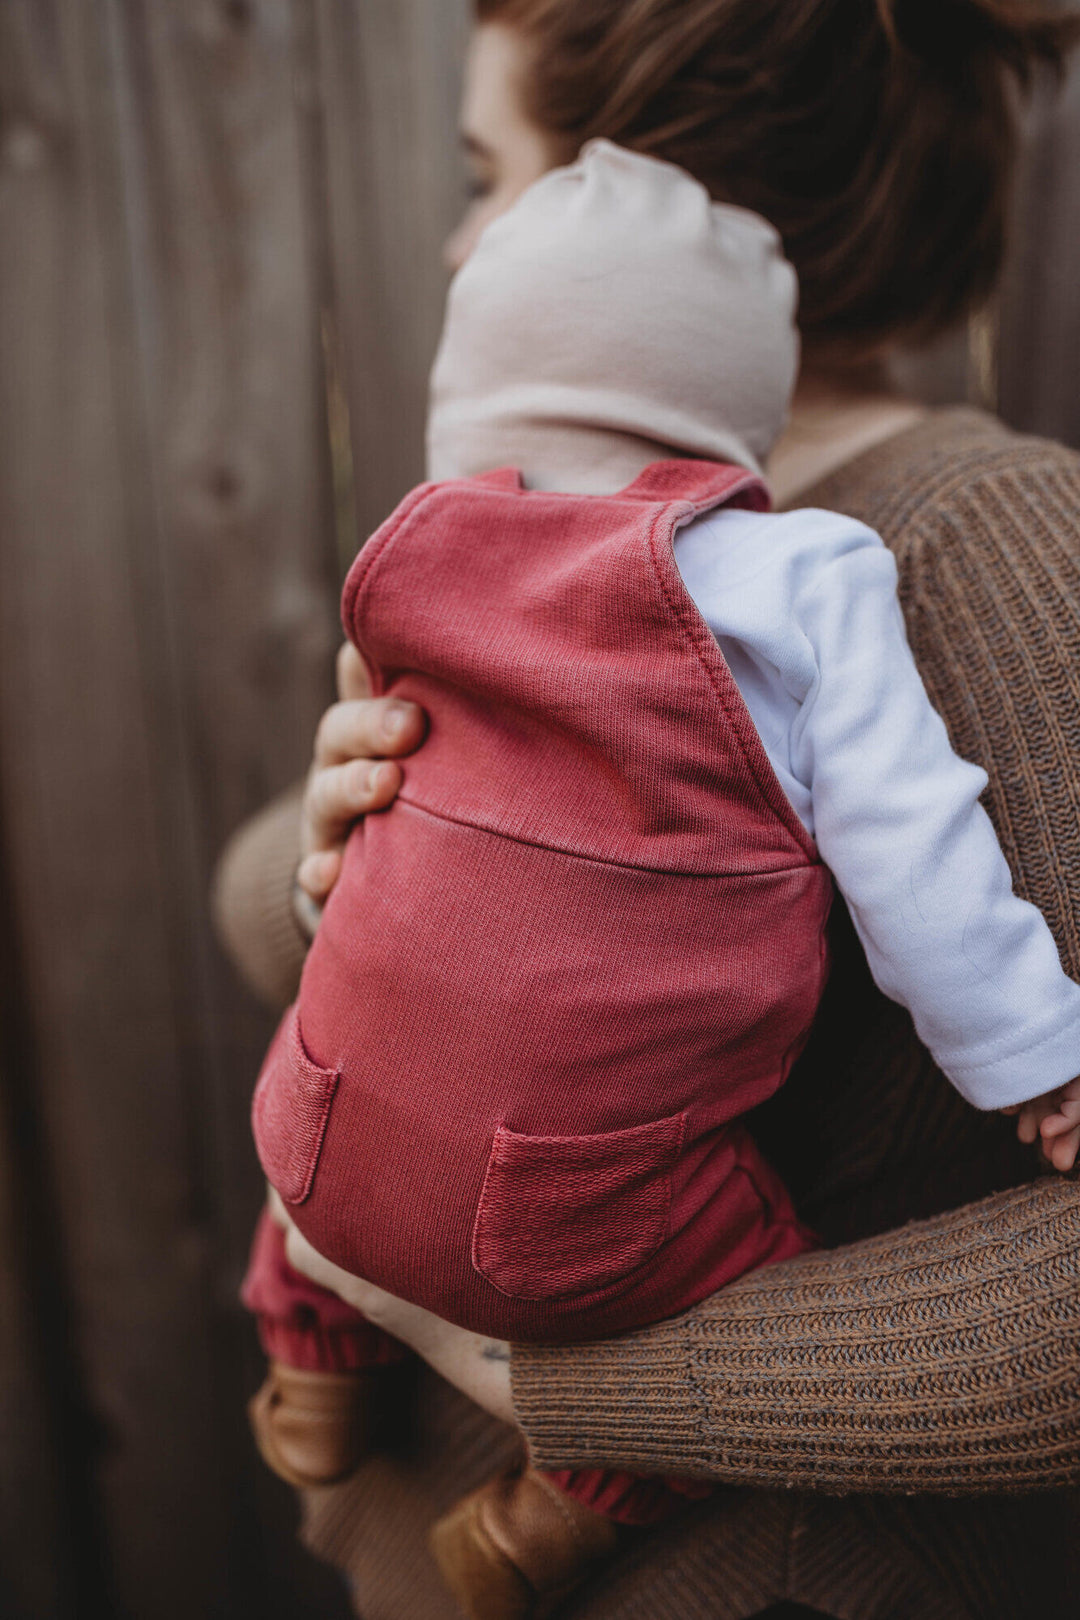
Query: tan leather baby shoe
[[517, 1545], [313, 1428]]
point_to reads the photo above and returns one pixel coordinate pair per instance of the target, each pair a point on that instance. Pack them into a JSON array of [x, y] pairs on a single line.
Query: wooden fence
[[219, 261]]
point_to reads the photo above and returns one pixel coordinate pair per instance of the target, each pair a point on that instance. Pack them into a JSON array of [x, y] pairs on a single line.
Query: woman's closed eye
[[478, 184]]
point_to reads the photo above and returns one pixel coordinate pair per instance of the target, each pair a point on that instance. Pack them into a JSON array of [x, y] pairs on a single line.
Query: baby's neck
[[833, 419], [583, 461]]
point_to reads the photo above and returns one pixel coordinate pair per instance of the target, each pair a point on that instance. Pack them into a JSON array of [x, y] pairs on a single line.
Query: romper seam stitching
[[810, 854], [598, 860]]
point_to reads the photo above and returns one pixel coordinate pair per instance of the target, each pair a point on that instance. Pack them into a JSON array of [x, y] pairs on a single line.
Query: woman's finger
[[367, 728], [352, 675], [350, 777], [337, 794], [318, 873]]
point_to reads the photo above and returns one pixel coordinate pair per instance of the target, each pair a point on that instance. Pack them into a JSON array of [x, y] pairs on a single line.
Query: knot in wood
[[23, 147], [238, 13], [224, 483]]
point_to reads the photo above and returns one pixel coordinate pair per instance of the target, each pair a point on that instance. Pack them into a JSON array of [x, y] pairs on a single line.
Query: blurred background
[[220, 289]]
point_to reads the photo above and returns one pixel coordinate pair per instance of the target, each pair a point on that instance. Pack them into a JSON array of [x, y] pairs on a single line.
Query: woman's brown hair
[[878, 136]]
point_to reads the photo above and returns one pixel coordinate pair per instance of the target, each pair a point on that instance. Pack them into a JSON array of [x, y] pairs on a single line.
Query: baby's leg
[[313, 1417], [300, 1323]]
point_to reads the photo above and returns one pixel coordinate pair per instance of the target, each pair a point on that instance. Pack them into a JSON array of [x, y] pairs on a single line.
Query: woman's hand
[[479, 1367], [351, 772]]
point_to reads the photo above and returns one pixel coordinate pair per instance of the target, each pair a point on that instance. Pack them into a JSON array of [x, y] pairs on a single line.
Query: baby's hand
[[1055, 1117]]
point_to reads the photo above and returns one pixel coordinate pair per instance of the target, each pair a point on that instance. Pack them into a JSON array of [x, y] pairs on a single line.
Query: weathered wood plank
[[390, 75], [1022, 357], [37, 1574], [1039, 361], [46, 1558], [166, 624], [77, 775]]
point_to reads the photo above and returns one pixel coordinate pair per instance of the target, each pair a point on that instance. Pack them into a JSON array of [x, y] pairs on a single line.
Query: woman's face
[[505, 151]]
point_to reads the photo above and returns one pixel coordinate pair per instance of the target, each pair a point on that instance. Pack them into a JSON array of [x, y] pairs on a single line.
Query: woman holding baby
[[871, 1406]]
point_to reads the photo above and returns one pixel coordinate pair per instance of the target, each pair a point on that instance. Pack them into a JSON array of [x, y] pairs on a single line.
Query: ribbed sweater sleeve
[[252, 900], [938, 1358], [942, 1356]]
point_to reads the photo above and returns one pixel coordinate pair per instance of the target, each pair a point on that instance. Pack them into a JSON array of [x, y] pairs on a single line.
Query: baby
[[589, 935]]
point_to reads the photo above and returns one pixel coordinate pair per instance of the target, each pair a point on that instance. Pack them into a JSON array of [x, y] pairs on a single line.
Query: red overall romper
[[584, 940]]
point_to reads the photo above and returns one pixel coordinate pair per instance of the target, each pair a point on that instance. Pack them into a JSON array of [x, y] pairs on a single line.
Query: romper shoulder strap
[[701, 483]]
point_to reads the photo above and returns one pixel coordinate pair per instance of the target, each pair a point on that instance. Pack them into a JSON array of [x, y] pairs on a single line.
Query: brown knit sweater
[[938, 1358]]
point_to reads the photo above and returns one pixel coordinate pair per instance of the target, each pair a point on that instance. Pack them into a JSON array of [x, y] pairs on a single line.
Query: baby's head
[[615, 315]]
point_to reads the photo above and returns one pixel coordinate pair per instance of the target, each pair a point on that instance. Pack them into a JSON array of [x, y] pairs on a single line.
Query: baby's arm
[[898, 820]]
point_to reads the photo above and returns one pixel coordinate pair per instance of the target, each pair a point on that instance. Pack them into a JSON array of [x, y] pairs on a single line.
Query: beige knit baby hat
[[613, 315]]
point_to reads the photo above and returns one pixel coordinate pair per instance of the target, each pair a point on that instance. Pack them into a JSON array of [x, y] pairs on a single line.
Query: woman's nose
[[452, 256], [460, 243]]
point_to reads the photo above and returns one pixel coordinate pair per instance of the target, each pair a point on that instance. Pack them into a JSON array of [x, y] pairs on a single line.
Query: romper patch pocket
[[561, 1216], [289, 1111]]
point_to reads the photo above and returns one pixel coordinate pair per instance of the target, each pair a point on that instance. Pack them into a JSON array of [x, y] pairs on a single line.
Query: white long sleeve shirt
[[804, 607]]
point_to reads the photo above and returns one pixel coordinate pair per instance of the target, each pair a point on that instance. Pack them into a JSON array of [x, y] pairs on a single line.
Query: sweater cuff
[[252, 900], [605, 1404]]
